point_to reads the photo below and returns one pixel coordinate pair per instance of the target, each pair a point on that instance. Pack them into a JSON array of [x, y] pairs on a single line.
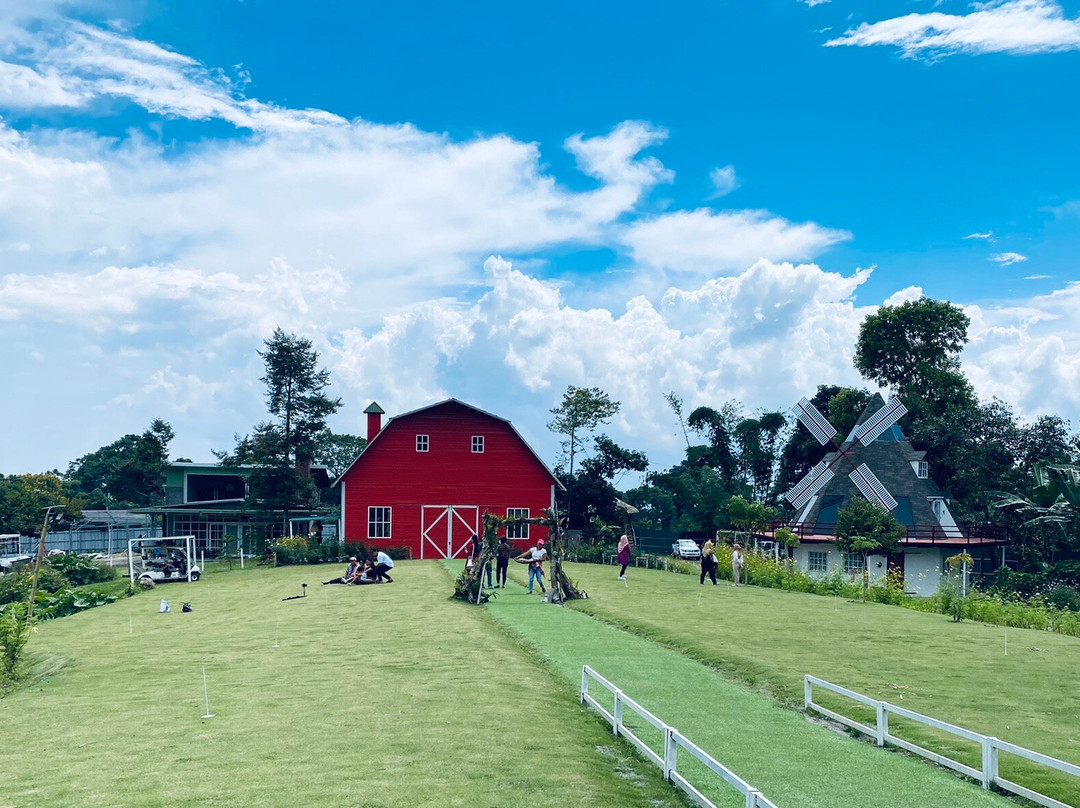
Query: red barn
[[427, 477]]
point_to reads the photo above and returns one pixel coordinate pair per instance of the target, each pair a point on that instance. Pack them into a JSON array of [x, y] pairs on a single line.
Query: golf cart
[[163, 560]]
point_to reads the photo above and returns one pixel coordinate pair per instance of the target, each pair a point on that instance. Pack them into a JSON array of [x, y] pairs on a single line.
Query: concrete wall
[[835, 560], [922, 570]]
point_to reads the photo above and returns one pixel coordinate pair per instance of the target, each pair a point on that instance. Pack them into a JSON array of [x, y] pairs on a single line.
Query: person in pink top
[[623, 556]]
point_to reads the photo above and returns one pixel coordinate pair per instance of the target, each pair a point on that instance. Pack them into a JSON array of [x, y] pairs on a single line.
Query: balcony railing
[[962, 534]]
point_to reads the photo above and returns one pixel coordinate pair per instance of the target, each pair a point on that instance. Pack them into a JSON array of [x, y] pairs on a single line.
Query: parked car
[[686, 548]]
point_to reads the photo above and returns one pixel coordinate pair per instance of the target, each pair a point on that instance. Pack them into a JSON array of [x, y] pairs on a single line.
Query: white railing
[[987, 775], [667, 758]]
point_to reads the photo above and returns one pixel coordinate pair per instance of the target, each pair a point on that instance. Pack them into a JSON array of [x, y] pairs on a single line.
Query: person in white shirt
[[383, 565], [737, 564], [535, 557]]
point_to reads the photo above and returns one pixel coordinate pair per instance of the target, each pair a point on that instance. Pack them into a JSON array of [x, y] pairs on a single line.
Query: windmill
[[864, 434]]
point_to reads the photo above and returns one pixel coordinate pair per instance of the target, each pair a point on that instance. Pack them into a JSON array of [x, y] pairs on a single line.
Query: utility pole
[[37, 564]]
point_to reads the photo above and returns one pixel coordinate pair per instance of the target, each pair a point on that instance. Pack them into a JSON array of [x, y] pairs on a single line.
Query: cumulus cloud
[[1007, 259], [708, 242], [1004, 26]]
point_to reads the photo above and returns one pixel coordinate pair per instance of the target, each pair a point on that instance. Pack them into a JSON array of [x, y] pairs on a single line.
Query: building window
[[518, 531], [378, 522], [853, 563], [922, 469], [818, 561], [421, 443], [478, 444]]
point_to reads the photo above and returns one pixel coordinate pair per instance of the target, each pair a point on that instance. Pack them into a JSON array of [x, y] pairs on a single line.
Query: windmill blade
[[809, 485], [811, 417], [867, 432], [870, 486]]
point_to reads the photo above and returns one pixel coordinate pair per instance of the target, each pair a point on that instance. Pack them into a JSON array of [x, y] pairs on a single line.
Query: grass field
[[957, 672], [377, 696], [396, 696]]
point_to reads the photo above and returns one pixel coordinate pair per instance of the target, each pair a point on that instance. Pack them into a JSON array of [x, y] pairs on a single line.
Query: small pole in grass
[[276, 627], [1006, 641], [206, 694]]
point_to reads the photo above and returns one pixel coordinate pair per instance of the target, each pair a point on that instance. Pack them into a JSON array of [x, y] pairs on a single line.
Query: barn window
[[519, 531], [478, 444], [378, 522], [922, 470], [818, 561], [421, 443]]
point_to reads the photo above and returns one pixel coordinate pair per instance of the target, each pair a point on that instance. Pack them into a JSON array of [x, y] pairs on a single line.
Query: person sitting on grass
[[351, 572], [383, 565]]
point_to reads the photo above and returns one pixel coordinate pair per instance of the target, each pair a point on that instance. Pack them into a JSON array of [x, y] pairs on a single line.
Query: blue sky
[[492, 201]]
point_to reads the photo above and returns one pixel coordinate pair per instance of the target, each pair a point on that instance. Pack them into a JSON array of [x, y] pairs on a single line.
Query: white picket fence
[[987, 775], [668, 758]]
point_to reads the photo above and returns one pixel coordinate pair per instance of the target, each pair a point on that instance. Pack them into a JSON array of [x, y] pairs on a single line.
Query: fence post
[[989, 761], [751, 797], [882, 723], [584, 682], [808, 692], [618, 713], [671, 751]]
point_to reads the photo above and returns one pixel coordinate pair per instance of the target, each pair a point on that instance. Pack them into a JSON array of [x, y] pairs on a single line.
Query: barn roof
[[443, 403]]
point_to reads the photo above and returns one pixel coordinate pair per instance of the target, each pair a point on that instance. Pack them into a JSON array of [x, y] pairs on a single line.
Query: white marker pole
[[1006, 641], [206, 693], [275, 645]]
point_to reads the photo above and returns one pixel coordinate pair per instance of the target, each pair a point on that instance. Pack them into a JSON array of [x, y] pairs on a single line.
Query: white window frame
[[922, 469], [373, 521], [478, 444], [423, 443], [853, 564], [517, 531], [815, 556]]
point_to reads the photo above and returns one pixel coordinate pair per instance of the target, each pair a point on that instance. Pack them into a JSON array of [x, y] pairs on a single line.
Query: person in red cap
[[535, 557]]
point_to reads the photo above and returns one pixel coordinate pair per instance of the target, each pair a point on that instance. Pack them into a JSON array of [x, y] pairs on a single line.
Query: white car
[[686, 548]]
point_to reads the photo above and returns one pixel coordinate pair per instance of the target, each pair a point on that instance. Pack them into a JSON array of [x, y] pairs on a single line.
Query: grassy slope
[[377, 696], [795, 763], [955, 672]]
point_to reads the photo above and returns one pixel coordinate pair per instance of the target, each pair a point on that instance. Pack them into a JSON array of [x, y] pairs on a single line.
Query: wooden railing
[[972, 533]]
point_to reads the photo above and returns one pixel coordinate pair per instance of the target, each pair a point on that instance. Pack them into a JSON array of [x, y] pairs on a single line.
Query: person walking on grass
[[737, 562], [502, 561], [623, 556], [708, 562], [535, 558], [383, 565]]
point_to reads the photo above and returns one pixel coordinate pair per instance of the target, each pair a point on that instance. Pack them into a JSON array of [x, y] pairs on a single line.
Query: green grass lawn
[[377, 696], [957, 672]]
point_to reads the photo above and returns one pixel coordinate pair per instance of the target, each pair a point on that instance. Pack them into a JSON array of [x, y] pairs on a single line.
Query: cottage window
[[922, 470], [421, 443], [478, 444], [518, 531], [378, 522], [853, 563], [817, 561]]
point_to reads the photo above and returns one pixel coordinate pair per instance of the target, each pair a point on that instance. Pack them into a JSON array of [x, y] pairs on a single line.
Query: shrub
[[1064, 596], [16, 586], [396, 553], [291, 549], [14, 632], [80, 570]]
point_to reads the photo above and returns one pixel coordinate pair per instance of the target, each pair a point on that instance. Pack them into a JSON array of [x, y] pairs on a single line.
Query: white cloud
[[1037, 277], [707, 242], [987, 236], [1008, 258], [171, 392], [724, 181], [1005, 26], [813, 3]]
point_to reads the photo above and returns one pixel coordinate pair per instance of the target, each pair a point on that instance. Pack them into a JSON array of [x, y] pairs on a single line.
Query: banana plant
[[1055, 497]]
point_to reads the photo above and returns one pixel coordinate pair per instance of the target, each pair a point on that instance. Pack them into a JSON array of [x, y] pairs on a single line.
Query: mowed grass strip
[[376, 696], [956, 672], [795, 763]]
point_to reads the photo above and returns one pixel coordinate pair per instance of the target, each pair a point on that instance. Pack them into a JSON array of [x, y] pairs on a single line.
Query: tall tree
[[582, 410], [129, 472], [899, 345], [295, 395], [283, 448], [337, 451], [24, 498]]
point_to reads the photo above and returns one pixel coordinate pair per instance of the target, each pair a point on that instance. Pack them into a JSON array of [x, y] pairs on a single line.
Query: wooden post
[[37, 564]]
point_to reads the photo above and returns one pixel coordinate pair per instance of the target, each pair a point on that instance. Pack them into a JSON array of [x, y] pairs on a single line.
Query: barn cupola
[[374, 420]]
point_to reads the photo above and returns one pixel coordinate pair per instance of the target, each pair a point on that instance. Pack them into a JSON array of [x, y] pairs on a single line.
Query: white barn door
[[445, 530]]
